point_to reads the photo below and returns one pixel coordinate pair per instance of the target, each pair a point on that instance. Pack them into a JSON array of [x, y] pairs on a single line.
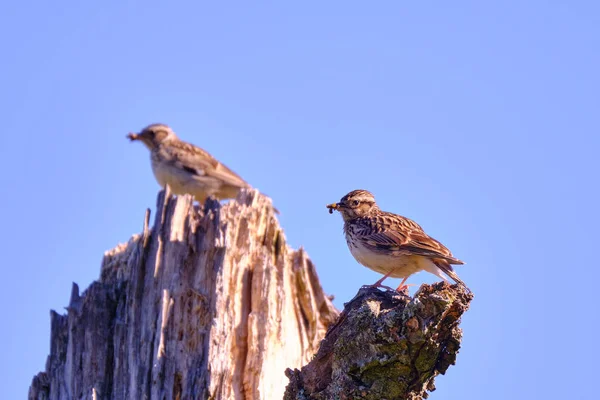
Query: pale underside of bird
[[186, 168], [391, 244]]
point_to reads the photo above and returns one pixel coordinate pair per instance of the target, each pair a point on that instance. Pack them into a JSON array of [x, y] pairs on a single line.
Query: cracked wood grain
[[208, 303]]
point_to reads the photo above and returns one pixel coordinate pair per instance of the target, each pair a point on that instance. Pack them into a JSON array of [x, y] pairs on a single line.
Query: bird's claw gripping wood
[[380, 286]]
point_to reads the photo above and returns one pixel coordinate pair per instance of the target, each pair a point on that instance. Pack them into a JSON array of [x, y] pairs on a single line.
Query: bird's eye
[[355, 202]]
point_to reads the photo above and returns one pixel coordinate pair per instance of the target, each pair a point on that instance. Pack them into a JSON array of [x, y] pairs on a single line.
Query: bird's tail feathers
[[445, 266]]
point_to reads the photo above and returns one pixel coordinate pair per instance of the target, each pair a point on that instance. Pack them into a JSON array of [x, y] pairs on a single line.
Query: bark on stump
[[385, 345], [212, 304], [209, 303]]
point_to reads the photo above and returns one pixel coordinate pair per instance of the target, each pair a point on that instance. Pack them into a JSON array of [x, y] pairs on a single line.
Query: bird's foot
[[403, 288], [377, 286]]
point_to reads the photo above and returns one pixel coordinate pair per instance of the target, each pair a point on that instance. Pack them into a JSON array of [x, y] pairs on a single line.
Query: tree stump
[[385, 345], [210, 303]]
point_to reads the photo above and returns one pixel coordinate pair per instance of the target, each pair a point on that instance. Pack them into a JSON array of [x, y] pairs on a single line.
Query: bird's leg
[[201, 199], [402, 286], [378, 283]]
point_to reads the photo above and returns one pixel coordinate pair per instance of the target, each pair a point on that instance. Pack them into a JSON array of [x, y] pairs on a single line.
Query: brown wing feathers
[[394, 232]]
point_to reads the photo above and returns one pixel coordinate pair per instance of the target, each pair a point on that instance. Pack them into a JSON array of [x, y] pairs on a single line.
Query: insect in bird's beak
[[333, 206], [133, 136]]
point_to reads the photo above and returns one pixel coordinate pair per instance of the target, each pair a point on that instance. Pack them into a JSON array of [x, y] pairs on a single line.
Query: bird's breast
[[161, 172], [178, 179], [383, 262]]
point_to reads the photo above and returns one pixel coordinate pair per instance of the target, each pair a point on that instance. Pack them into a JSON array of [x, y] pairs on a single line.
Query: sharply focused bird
[[187, 168], [391, 244]]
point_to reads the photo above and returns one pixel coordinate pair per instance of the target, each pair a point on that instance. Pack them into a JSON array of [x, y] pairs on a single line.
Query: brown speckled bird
[[185, 167], [389, 243]]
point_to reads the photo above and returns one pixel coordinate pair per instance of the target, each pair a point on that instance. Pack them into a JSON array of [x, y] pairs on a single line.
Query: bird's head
[[356, 204], [153, 135]]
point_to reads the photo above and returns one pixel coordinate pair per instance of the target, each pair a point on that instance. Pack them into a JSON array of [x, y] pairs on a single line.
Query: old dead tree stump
[[207, 304], [211, 303]]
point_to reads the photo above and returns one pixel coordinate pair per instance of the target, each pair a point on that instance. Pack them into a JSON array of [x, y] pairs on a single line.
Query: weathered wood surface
[[385, 345], [208, 303]]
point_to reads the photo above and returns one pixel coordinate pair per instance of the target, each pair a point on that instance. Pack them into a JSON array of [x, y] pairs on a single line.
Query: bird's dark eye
[[355, 202]]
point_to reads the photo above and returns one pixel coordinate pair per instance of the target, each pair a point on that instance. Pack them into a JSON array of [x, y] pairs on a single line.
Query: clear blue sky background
[[479, 121]]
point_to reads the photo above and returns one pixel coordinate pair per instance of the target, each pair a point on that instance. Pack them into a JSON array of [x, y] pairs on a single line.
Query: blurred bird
[[187, 168], [389, 243]]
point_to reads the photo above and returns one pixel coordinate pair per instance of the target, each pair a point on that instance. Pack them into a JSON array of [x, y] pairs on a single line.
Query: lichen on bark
[[385, 345]]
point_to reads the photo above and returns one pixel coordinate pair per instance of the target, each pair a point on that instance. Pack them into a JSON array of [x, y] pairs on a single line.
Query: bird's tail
[[448, 270]]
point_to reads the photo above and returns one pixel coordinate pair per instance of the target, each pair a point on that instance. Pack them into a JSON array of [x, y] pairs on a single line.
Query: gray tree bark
[[208, 304]]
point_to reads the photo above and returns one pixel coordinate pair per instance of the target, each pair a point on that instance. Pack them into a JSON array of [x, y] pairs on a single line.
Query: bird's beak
[[133, 136], [333, 206]]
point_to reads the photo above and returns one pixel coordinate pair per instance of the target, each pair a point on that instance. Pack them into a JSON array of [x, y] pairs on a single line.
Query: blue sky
[[479, 121]]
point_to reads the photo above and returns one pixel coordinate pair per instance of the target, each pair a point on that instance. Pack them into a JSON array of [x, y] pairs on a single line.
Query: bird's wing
[[202, 165], [402, 235]]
